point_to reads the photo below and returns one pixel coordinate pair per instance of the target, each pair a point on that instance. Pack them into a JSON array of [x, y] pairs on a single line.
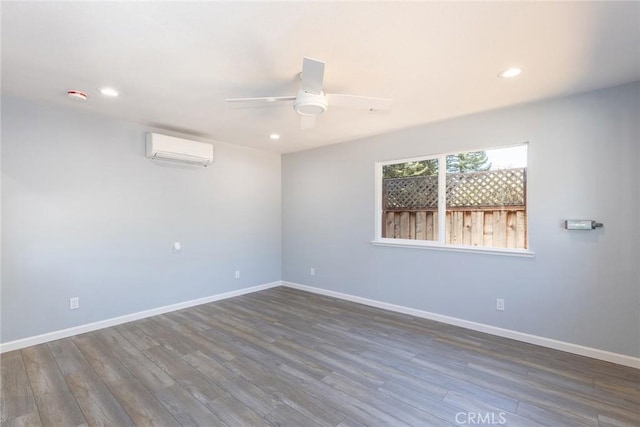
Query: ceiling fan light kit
[[311, 100], [310, 104]]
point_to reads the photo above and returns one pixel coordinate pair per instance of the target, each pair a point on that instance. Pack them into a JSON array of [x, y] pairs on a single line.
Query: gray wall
[[86, 214], [582, 287]]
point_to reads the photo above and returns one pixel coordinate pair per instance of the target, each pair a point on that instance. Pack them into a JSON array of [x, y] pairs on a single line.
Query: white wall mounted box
[[581, 224], [166, 147]]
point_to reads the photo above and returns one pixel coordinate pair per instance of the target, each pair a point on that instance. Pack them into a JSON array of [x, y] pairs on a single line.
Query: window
[[481, 195]]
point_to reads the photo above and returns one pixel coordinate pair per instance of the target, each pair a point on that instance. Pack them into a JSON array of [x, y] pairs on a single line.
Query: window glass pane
[[486, 198], [410, 200]]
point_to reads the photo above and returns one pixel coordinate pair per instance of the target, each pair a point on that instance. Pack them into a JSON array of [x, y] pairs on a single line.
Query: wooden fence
[[484, 208], [488, 227]]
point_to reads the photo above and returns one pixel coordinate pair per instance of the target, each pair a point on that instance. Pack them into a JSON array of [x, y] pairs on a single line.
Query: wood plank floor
[[286, 357]]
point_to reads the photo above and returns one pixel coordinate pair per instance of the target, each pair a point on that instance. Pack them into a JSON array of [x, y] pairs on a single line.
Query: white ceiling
[[174, 63]]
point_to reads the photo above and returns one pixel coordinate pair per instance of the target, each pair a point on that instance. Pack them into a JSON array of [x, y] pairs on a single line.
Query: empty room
[[322, 213]]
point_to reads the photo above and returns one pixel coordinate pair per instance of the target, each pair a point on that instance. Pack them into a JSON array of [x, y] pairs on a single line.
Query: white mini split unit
[[163, 147]]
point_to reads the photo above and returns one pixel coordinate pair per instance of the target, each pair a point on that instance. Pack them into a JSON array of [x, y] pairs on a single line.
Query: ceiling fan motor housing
[[310, 104]]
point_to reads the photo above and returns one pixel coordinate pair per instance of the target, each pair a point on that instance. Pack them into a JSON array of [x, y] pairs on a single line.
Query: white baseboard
[[64, 333], [594, 353]]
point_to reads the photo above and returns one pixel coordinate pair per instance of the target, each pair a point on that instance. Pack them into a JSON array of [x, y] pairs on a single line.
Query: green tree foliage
[[403, 170], [474, 161]]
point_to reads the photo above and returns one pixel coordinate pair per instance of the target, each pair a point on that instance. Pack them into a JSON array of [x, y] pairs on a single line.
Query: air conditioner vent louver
[[165, 147]]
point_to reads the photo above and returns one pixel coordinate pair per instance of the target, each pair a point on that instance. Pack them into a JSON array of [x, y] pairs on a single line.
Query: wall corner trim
[[88, 327], [620, 359]]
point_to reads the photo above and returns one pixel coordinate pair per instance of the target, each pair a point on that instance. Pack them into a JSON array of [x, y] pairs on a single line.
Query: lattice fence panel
[[412, 193], [504, 187]]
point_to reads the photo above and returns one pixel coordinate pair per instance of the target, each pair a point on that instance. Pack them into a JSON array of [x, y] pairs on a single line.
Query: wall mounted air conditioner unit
[[165, 147]]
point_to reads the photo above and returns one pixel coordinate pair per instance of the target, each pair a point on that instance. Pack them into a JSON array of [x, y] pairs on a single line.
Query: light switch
[[177, 247]]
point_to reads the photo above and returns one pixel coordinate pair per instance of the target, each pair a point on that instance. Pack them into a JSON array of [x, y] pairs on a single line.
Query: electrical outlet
[[500, 304], [312, 271], [237, 274], [74, 303]]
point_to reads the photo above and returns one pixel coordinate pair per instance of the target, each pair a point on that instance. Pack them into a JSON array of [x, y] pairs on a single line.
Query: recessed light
[[510, 73], [107, 91], [76, 95], [274, 136]]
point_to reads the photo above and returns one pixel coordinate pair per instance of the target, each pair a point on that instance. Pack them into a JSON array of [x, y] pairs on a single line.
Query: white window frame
[[442, 209]]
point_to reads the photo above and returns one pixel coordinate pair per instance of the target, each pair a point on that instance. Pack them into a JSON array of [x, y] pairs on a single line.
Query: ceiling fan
[[311, 100]]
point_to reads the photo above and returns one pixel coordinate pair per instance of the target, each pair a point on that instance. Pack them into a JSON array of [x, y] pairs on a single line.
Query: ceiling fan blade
[[312, 75], [263, 100], [360, 102], [307, 122]]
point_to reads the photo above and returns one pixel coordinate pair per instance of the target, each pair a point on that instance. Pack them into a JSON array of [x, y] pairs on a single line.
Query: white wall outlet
[[177, 247], [237, 274], [74, 303], [500, 304], [312, 271]]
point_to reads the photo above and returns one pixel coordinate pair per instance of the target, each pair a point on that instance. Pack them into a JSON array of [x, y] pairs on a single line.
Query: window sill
[[407, 243]]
